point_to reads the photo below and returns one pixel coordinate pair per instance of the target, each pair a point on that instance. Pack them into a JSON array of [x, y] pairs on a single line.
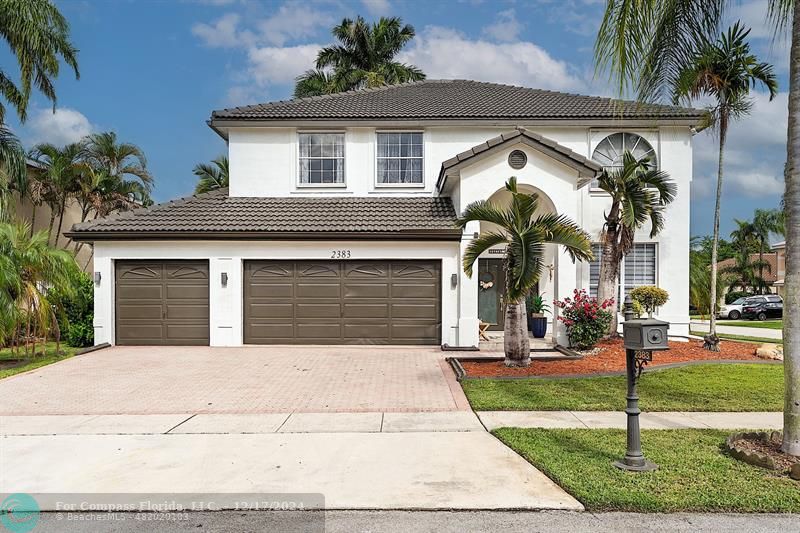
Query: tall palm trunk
[[33, 218], [761, 267], [609, 266], [791, 316], [52, 223], [711, 341], [516, 343], [62, 209]]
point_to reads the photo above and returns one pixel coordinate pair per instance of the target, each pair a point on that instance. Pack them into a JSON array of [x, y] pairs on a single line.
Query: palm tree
[[28, 264], [724, 70], [524, 234], [644, 45], [119, 159], [765, 223], [211, 176], [61, 169], [639, 192], [744, 238], [700, 278], [38, 36], [363, 57]]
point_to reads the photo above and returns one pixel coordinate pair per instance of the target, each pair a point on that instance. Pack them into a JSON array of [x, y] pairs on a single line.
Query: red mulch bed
[[611, 358]]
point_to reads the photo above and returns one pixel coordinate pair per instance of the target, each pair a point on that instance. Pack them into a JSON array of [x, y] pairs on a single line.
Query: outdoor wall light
[[97, 278], [224, 279], [453, 281]]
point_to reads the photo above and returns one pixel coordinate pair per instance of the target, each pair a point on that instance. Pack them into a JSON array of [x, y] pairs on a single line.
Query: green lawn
[[35, 362], [712, 387], [767, 324], [740, 338], [694, 474]]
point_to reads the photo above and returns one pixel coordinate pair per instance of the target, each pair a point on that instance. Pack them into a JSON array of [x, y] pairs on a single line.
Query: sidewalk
[[617, 419], [744, 331]]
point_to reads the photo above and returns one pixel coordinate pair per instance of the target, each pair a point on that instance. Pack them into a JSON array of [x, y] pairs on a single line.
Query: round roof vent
[[517, 159]]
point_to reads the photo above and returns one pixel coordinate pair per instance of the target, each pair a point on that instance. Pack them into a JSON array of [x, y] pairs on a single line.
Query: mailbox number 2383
[[340, 254]]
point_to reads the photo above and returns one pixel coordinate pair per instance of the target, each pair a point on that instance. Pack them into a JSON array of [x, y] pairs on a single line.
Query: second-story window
[[321, 158], [399, 160]]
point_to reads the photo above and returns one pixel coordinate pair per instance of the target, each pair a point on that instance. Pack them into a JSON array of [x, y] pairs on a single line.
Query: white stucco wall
[[226, 303]]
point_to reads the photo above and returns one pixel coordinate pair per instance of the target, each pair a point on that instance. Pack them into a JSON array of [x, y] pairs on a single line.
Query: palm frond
[[479, 245]]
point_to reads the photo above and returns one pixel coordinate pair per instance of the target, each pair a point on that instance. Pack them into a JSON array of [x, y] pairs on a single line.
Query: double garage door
[[285, 302], [342, 302]]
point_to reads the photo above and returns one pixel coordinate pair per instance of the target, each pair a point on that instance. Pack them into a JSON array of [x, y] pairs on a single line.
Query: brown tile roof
[[453, 100], [218, 215], [770, 276], [586, 167]]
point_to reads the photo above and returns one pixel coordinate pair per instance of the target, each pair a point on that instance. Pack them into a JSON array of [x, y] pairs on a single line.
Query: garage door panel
[[326, 289], [366, 310], [318, 330], [271, 290], [366, 331], [343, 302], [318, 310], [275, 310], [140, 292], [366, 290], [162, 302], [140, 311]]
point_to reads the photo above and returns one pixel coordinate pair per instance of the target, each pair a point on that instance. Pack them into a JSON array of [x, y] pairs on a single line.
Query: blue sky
[[153, 70]]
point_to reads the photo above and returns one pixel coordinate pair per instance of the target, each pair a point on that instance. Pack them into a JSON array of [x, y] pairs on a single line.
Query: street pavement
[[433, 522], [702, 326]]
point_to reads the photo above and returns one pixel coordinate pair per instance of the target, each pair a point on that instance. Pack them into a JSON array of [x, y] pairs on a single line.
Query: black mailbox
[[645, 334]]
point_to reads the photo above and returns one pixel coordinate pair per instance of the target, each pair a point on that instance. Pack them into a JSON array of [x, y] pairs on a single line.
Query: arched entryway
[[491, 279]]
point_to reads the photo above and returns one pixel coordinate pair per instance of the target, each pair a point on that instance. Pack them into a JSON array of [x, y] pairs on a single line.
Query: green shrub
[[76, 312], [735, 295], [638, 310], [650, 297]]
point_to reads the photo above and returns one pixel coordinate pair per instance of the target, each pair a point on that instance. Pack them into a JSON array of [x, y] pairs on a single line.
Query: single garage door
[[162, 302], [342, 302]]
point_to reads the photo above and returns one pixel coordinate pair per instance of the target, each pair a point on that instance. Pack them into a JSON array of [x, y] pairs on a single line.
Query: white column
[[468, 294], [225, 304], [103, 298]]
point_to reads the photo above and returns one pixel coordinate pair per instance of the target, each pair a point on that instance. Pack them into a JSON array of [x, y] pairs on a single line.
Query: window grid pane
[[610, 150], [639, 267], [399, 158], [321, 158]]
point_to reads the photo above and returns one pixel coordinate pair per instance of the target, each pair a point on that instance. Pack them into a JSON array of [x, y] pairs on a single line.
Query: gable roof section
[[216, 215], [449, 100], [586, 168]]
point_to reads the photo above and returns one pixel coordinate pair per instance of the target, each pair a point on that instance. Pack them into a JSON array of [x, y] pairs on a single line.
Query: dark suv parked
[[763, 307]]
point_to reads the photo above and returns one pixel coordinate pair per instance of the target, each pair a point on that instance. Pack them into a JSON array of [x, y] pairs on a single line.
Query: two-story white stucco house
[[338, 226]]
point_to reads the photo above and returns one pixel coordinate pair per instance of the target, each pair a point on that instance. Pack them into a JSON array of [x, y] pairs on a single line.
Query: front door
[[491, 283]]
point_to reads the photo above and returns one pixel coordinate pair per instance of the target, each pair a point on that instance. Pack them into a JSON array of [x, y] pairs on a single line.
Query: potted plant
[[537, 322]]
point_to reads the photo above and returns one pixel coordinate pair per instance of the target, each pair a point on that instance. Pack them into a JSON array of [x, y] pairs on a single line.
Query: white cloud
[[224, 33], [377, 7], [505, 28], [292, 21], [62, 127], [446, 53], [755, 152], [276, 65]]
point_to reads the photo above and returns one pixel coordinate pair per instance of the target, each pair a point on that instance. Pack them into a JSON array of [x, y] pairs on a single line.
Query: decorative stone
[[794, 473], [770, 351], [748, 456]]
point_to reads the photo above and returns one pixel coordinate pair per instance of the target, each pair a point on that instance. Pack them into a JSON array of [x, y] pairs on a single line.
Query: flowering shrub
[[586, 319]]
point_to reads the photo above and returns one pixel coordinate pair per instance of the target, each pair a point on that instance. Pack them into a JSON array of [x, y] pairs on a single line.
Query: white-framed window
[[610, 150], [637, 268], [399, 158], [321, 159]]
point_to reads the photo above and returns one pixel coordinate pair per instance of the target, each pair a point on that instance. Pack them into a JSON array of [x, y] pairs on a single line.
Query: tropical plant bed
[[695, 473], [11, 363], [609, 357]]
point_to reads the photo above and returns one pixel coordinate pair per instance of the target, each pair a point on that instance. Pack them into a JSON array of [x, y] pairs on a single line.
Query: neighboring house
[[339, 225], [771, 274], [24, 210], [780, 272]]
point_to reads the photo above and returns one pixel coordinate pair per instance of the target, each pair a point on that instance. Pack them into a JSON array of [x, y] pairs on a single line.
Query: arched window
[[609, 151]]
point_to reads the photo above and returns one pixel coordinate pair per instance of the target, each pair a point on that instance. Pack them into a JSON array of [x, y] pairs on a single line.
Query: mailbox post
[[642, 337]]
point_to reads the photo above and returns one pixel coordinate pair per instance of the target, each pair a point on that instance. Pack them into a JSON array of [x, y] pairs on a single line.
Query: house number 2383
[[340, 254]]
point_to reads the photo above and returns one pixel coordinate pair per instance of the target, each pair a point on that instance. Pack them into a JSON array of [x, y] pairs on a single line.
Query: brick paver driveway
[[162, 380]]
